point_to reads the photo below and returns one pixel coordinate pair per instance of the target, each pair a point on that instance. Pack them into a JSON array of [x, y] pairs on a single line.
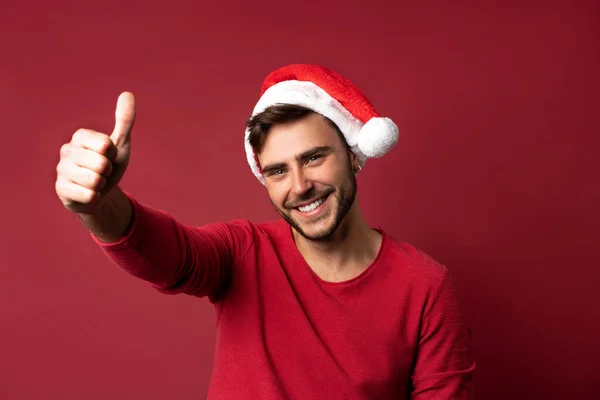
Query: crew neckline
[[371, 266]]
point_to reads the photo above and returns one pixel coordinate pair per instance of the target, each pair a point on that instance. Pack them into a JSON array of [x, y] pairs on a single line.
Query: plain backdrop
[[495, 175]]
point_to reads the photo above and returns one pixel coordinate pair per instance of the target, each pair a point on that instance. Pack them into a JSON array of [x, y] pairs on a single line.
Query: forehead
[[284, 141]]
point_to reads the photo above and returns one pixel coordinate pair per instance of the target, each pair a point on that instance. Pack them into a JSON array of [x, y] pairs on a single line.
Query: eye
[[277, 172], [313, 158]]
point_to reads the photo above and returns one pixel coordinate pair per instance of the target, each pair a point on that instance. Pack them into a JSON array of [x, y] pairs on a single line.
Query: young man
[[317, 305]]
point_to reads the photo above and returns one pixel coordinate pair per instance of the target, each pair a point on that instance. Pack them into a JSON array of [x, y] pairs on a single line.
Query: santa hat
[[333, 96]]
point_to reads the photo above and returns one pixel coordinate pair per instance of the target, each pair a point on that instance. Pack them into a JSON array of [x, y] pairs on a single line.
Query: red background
[[496, 175]]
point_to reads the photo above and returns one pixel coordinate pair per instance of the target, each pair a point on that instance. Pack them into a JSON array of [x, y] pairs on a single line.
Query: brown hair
[[260, 124]]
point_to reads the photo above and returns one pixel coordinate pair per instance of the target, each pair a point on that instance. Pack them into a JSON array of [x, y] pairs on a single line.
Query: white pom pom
[[377, 137]]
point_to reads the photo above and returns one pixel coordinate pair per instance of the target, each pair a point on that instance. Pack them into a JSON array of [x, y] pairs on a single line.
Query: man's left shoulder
[[412, 262]]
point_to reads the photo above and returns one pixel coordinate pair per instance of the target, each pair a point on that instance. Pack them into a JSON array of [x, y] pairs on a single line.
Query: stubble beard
[[344, 197]]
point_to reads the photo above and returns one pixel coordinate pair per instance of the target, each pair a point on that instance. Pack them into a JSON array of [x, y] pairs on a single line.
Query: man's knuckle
[[78, 134], [88, 195], [101, 165], [106, 143], [64, 150], [96, 180]]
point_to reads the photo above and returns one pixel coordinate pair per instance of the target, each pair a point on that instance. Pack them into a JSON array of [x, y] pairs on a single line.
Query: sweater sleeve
[[175, 258], [445, 361]]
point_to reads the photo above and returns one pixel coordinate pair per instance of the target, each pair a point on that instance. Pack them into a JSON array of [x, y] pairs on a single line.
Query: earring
[[356, 171]]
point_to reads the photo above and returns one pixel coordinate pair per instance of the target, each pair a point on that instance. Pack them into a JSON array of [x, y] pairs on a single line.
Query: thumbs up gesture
[[93, 163]]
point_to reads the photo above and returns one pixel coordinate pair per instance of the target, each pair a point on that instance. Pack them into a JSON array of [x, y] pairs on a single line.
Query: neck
[[346, 253]]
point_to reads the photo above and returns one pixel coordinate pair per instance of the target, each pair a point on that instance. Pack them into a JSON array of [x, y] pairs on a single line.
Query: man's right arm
[[146, 242], [173, 257]]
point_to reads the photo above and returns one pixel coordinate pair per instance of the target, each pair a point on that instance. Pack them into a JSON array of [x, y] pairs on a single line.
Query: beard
[[343, 198]]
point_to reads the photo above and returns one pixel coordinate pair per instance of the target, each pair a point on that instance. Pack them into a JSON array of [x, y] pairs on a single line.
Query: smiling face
[[309, 174]]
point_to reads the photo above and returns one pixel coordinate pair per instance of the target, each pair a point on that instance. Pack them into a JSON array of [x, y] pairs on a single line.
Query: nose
[[300, 182]]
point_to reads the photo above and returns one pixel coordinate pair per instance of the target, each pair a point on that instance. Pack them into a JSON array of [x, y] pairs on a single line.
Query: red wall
[[496, 175]]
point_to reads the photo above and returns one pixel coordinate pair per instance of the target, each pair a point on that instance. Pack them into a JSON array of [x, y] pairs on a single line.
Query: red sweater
[[393, 332]]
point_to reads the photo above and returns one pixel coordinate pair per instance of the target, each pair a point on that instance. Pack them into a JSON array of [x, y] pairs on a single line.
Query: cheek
[[339, 169], [326, 174], [276, 194], [343, 173]]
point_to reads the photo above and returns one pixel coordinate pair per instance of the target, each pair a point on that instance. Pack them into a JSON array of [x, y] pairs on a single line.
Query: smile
[[310, 207]]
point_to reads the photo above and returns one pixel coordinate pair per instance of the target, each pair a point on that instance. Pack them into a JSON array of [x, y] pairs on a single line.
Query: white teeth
[[312, 206]]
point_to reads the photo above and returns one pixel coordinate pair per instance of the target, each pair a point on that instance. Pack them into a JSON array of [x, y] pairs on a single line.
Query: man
[[317, 305]]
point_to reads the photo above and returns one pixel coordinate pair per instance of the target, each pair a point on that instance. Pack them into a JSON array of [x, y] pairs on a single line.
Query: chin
[[315, 230], [320, 232]]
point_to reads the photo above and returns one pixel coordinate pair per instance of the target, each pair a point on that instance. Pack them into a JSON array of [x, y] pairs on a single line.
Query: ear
[[355, 161]]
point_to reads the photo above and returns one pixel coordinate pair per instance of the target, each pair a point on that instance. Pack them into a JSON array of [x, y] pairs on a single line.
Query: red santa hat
[[333, 96]]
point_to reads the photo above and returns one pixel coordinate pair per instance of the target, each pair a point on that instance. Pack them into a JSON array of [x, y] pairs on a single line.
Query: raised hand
[[93, 163]]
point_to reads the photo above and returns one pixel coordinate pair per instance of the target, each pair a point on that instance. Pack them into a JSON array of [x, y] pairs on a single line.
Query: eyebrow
[[300, 157]]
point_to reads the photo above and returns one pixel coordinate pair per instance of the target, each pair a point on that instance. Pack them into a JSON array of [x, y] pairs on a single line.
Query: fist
[[93, 163]]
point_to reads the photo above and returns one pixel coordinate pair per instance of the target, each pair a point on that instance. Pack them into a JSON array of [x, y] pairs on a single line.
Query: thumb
[[124, 119]]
